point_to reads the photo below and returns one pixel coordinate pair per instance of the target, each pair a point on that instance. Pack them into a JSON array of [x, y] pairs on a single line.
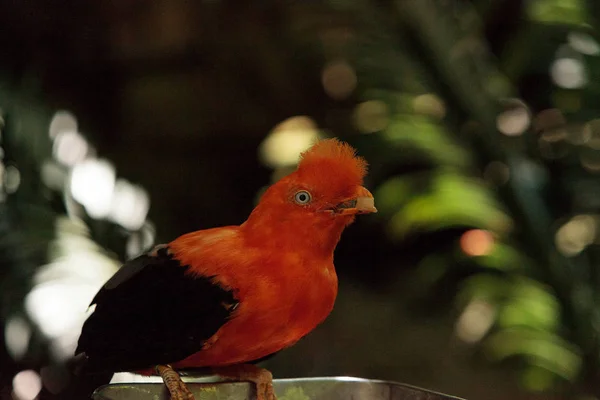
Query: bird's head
[[319, 199]]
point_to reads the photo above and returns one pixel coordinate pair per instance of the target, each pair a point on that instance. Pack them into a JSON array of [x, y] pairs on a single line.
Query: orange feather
[[279, 263]]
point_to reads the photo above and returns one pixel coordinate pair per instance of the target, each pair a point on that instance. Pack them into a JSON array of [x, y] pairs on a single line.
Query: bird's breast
[[284, 307], [276, 309]]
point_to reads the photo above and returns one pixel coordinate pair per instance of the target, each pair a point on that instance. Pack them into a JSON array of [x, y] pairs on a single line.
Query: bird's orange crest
[[333, 160]]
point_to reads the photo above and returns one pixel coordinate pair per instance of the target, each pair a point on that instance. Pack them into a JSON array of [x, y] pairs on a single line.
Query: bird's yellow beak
[[365, 202], [362, 202]]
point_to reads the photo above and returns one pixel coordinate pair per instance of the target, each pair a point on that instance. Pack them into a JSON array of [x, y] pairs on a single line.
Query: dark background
[[478, 277]]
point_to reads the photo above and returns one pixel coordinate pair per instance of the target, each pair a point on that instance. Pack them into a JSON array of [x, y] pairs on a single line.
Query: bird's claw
[[264, 391], [181, 392], [176, 387], [262, 379], [264, 385]]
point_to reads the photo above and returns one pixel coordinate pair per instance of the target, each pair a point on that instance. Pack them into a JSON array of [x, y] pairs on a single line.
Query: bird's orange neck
[[294, 232]]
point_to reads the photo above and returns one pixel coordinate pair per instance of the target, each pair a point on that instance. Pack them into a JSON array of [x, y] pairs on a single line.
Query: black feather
[[152, 311]]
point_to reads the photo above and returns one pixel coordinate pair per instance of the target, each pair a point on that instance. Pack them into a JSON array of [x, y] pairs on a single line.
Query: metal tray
[[334, 388]]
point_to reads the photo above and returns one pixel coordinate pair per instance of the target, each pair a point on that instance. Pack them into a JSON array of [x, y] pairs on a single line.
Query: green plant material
[[521, 301], [454, 200], [396, 192], [432, 269], [541, 348], [489, 287], [537, 379], [564, 12], [502, 257], [413, 132], [530, 304]]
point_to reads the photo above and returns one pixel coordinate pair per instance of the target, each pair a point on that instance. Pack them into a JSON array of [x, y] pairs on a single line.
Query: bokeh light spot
[[568, 73], [27, 385], [529, 173], [92, 185], [575, 235], [339, 79], [592, 132], [583, 43], [12, 179], [17, 333], [62, 121], [577, 134], [69, 148], [130, 205], [550, 123], [55, 306], [496, 173], [371, 116], [287, 140], [475, 321], [476, 242], [429, 104], [53, 175], [63, 289], [515, 119]]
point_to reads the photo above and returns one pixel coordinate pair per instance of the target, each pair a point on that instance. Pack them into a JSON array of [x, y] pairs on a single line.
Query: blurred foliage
[[478, 118], [543, 298]]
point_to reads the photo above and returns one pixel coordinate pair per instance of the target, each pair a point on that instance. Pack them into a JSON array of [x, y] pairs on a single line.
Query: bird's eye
[[302, 197]]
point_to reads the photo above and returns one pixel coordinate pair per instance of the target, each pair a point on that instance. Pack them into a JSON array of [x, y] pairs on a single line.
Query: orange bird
[[225, 298]]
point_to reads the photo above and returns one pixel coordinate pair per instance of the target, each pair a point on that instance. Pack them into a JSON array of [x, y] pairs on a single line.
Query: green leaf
[[564, 12], [502, 257], [394, 193], [541, 348], [530, 304], [423, 134], [454, 201]]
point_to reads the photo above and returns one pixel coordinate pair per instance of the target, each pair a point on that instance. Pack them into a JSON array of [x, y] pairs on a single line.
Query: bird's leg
[[174, 384], [262, 378]]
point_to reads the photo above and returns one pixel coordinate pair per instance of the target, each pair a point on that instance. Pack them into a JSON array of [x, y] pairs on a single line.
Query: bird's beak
[[361, 203]]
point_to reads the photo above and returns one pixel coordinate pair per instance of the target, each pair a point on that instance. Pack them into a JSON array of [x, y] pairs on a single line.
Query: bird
[[222, 299]]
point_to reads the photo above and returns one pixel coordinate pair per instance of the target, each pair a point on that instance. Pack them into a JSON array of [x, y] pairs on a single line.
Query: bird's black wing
[[152, 312]]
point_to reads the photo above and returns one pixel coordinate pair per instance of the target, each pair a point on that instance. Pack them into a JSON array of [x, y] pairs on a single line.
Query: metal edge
[[364, 380], [350, 379]]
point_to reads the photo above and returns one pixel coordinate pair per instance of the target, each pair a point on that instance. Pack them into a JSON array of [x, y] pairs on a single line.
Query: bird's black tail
[[69, 381]]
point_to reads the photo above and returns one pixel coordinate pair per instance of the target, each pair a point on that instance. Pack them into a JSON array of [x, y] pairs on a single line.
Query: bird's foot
[[262, 378], [177, 389]]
